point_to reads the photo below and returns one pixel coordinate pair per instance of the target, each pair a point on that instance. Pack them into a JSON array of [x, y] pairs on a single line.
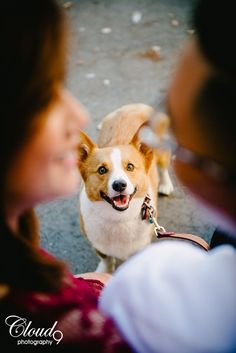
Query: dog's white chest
[[114, 233]]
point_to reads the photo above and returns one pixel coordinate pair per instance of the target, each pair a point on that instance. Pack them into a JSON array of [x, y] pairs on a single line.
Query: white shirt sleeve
[[175, 297]]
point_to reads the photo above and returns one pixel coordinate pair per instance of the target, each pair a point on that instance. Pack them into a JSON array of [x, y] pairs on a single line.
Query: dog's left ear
[[86, 146], [145, 150]]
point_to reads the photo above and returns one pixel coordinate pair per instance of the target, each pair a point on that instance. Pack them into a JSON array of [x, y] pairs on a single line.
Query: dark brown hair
[[32, 64]]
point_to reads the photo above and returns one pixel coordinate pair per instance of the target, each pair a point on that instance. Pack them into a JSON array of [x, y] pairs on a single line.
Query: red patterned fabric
[[74, 307]]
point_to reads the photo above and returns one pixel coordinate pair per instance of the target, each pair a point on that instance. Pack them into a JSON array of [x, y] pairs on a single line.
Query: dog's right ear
[[145, 150], [85, 147]]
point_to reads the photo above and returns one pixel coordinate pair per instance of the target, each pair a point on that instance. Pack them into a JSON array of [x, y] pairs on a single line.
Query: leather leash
[[148, 213]]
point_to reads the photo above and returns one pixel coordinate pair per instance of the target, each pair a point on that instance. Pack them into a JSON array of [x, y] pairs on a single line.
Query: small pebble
[[67, 4], [175, 23], [136, 17], [153, 53], [106, 82], [190, 31], [99, 126], [90, 75], [156, 48], [106, 30]]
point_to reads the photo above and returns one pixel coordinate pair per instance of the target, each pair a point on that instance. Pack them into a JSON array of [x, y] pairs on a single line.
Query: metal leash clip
[[148, 213], [152, 219], [157, 227]]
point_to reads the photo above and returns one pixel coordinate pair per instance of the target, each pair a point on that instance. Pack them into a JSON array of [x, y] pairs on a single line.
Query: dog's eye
[[130, 167], [102, 170]]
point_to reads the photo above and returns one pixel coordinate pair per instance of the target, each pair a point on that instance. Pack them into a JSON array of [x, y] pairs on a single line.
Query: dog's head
[[114, 174]]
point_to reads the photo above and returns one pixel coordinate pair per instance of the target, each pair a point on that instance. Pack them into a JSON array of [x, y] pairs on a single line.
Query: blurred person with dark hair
[[173, 296], [41, 303]]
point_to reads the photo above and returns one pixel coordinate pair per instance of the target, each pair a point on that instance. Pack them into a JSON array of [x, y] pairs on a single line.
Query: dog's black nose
[[119, 185]]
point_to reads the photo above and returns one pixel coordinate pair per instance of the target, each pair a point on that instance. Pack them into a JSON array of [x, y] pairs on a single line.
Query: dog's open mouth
[[120, 202]]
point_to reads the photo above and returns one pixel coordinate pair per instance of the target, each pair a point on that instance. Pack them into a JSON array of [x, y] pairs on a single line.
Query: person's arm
[[174, 297], [102, 277], [79, 325]]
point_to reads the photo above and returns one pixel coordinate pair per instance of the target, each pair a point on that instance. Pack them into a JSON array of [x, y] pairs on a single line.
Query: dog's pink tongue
[[120, 200]]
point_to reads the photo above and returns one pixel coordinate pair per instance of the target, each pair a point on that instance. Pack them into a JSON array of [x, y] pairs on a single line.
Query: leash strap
[[194, 238], [148, 213]]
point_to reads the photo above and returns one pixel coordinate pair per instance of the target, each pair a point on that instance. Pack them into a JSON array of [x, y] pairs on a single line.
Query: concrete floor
[[105, 71]]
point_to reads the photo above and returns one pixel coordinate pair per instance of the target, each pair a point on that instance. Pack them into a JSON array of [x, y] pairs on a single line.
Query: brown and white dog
[[117, 174]]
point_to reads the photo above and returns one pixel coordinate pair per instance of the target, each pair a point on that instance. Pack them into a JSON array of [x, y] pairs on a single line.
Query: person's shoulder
[[172, 292], [178, 266], [181, 252], [175, 255]]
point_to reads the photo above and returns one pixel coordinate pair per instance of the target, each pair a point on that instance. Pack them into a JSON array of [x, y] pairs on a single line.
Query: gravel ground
[[109, 64]]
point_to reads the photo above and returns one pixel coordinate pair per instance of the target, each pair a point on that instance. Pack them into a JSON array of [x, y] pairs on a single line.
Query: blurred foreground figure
[[41, 303], [174, 297]]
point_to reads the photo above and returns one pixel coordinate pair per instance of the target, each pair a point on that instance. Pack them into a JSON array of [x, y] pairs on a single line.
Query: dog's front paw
[[102, 266], [106, 265], [99, 126], [165, 186], [166, 189]]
